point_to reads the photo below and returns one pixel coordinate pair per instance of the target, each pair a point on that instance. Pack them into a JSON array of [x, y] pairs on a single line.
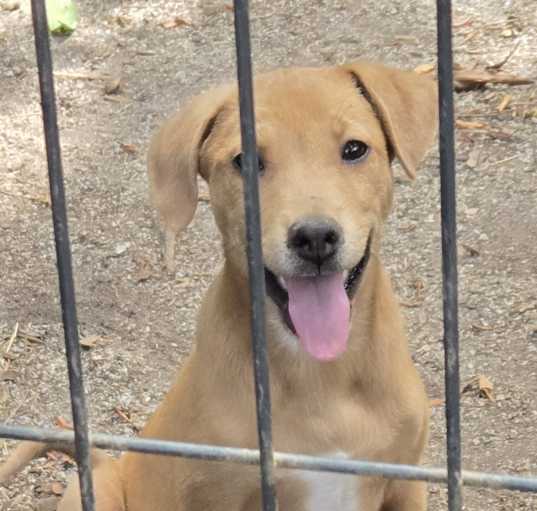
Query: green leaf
[[62, 16]]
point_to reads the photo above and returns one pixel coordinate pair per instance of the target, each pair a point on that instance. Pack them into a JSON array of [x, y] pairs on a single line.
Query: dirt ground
[[138, 321]]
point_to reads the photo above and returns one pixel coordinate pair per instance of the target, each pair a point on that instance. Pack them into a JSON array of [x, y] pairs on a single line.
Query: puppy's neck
[[224, 333]]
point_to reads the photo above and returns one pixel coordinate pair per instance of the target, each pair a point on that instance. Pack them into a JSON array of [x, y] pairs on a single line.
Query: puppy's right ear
[[174, 164]]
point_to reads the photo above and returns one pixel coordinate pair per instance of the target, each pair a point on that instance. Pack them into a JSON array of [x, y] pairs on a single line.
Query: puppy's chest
[[323, 491]]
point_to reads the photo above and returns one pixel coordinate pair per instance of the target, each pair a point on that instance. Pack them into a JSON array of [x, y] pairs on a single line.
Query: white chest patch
[[330, 491]]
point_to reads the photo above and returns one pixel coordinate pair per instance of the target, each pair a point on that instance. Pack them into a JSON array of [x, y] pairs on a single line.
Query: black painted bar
[[250, 170], [449, 253], [63, 252]]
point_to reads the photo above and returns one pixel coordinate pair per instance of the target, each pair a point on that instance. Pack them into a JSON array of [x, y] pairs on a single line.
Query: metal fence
[[264, 457]]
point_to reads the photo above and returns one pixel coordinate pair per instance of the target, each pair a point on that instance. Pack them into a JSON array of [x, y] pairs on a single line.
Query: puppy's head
[[326, 138]]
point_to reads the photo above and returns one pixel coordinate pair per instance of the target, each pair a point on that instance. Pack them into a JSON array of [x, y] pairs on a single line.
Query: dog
[[342, 380]]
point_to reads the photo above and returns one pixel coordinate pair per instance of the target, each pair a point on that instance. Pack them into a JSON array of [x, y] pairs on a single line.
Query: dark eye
[[237, 163], [353, 151]]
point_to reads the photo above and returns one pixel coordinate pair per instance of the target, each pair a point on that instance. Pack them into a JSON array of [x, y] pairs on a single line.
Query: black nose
[[314, 239]]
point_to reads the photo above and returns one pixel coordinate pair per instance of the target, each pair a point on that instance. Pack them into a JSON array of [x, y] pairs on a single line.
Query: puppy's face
[[325, 186], [325, 189]]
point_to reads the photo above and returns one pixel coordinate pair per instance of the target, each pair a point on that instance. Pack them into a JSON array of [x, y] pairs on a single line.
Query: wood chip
[[116, 99], [129, 148], [90, 341], [481, 328], [31, 337], [42, 199], [12, 338], [81, 76], [470, 125], [8, 375], [411, 305], [468, 79], [174, 23], [113, 86], [504, 103]]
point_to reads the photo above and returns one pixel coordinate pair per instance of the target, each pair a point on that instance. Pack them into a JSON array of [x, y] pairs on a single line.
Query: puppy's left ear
[[406, 104], [174, 164]]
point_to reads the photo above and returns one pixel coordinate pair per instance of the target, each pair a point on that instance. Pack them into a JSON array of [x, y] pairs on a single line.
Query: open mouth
[[317, 309]]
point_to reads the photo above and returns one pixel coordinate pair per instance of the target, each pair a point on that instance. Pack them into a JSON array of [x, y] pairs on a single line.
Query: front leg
[[405, 496], [107, 487]]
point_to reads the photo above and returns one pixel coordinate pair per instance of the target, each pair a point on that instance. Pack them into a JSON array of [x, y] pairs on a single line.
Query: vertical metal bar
[[250, 169], [449, 253], [63, 252]]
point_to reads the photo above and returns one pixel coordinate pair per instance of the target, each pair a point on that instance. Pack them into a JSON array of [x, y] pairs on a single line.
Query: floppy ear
[[406, 104], [174, 164]]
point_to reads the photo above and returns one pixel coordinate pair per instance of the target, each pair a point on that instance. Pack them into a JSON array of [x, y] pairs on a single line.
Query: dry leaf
[[129, 148], [485, 388], [505, 102], [433, 403], [112, 86], [424, 69], [472, 252], [174, 23], [229, 7], [125, 415], [470, 125], [480, 384], [90, 341], [63, 423]]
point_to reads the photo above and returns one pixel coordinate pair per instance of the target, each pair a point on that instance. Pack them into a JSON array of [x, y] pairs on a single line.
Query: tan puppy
[[342, 380]]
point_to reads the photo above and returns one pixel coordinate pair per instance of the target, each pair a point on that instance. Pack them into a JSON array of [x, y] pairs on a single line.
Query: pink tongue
[[320, 310]]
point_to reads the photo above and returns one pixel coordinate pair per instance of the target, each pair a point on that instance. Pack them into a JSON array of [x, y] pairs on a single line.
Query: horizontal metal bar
[[281, 460]]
